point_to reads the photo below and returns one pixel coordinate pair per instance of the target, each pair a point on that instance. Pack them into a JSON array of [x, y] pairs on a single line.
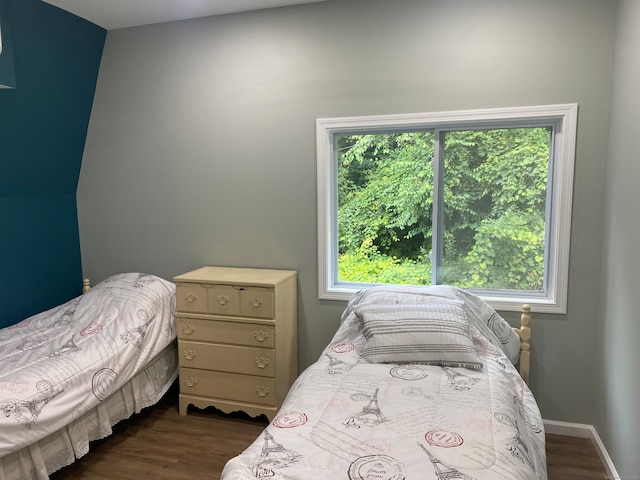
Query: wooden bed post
[[86, 285], [525, 338]]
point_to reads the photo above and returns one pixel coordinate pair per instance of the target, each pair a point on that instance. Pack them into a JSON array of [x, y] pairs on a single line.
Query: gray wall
[[618, 389], [201, 145]]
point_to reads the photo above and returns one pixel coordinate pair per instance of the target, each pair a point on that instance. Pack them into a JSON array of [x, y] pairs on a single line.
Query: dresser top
[[231, 276]]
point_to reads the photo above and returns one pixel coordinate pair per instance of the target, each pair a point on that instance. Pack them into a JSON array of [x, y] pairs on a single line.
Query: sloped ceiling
[[112, 14]]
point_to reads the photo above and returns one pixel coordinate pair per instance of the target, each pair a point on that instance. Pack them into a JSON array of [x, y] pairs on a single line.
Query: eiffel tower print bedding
[[418, 383], [58, 365]]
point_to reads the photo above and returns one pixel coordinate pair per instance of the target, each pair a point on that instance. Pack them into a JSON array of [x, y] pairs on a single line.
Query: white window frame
[[553, 299]]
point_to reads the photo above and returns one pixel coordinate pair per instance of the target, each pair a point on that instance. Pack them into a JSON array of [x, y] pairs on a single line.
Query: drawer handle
[[188, 329], [223, 299], [260, 335], [190, 381], [255, 302], [189, 354], [262, 362], [191, 297], [262, 391]]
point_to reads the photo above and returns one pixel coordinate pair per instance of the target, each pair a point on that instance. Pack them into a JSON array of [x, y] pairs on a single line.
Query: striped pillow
[[432, 334]]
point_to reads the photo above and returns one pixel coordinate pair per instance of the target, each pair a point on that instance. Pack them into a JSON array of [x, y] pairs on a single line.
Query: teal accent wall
[[43, 127]]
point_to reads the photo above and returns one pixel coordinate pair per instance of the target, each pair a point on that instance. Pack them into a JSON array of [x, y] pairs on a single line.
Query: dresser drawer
[[191, 298], [249, 334], [257, 302], [227, 358], [223, 300], [228, 386]]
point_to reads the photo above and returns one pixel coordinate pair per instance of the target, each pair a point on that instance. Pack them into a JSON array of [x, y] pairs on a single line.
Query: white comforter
[[345, 418], [59, 364]]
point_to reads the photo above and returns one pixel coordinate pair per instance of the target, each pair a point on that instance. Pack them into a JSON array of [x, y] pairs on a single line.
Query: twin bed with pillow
[[70, 373], [417, 383]]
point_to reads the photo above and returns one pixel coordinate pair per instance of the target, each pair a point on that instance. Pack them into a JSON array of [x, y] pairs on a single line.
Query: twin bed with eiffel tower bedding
[[418, 383], [70, 373]]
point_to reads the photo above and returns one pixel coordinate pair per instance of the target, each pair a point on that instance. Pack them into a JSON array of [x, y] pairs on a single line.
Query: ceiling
[[111, 14]]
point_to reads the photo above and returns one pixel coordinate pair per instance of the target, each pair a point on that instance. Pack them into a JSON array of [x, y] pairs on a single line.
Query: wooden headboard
[[524, 332]]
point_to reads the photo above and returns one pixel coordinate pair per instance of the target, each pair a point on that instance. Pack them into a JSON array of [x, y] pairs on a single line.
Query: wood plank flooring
[[570, 458], [160, 444]]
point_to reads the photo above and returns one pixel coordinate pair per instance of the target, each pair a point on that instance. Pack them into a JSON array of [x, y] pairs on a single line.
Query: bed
[[417, 383], [69, 374]]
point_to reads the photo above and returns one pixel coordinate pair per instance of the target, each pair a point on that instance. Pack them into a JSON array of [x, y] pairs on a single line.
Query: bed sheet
[[345, 418], [60, 364]]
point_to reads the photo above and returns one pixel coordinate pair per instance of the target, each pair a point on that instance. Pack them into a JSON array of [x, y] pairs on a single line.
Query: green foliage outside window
[[493, 225]]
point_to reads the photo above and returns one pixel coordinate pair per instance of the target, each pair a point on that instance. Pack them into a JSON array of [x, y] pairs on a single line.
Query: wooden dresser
[[237, 338]]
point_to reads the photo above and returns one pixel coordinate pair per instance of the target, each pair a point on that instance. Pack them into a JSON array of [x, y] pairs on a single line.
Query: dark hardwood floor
[[160, 444], [570, 458]]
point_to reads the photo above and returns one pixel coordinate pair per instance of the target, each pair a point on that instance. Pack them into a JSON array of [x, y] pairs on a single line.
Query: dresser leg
[[182, 406]]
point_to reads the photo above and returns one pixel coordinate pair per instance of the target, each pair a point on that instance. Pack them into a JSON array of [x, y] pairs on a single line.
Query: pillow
[[509, 340], [432, 334], [409, 295], [486, 317]]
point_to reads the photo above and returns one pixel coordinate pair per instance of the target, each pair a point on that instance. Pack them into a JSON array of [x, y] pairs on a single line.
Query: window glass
[[495, 196], [385, 198]]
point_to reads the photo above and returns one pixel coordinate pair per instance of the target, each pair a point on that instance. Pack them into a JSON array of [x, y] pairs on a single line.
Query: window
[[478, 199]]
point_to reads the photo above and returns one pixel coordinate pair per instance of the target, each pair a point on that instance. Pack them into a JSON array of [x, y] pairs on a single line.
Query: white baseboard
[[582, 430]]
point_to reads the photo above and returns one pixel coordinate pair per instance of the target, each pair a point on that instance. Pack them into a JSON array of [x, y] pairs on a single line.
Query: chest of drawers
[[237, 338]]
